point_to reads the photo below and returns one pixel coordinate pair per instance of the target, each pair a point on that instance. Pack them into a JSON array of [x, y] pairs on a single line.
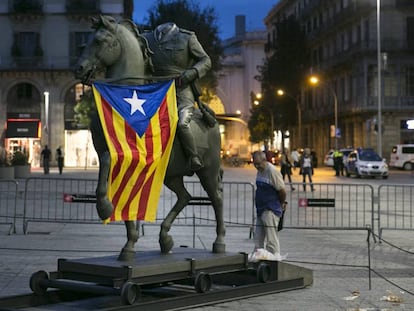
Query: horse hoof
[[126, 255], [219, 248], [166, 244], [104, 208]]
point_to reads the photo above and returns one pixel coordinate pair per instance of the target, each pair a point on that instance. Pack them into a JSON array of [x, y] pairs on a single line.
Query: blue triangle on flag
[[137, 104]]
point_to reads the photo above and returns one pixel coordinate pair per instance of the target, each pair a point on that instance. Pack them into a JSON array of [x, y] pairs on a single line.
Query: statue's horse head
[[115, 47]]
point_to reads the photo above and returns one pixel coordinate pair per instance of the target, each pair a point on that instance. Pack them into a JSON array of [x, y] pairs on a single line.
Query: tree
[[84, 109], [188, 15], [283, 69]]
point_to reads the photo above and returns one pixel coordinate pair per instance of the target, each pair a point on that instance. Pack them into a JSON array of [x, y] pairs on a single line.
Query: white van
[[402, 156]]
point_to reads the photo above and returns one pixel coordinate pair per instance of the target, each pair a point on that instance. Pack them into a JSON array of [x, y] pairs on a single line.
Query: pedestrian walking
[[46, 154], [270, 203], [306, 169], [286, 162], [59, 159]]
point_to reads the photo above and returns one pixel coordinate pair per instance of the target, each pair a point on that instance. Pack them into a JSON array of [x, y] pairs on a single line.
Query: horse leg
[[128, 251], [103, 205], [214, 187], [175, 184]]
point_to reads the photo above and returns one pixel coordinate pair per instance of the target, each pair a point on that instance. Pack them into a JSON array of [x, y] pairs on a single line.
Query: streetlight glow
[[314, 80], [280, 92]]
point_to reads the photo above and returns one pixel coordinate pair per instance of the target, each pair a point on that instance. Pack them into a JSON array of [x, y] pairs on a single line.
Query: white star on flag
[[136, 103]]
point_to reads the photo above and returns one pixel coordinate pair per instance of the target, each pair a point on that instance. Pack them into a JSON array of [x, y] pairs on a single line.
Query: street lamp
[[281, 92], [379, 69], [314, 80]]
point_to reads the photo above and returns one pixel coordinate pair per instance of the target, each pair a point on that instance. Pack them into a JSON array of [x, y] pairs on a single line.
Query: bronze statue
[[124, 54]]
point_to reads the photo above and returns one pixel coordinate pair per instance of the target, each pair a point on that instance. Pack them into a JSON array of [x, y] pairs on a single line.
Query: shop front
[[23, 132]]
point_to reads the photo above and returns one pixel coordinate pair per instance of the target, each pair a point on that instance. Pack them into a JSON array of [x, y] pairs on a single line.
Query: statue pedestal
[[183, 266]]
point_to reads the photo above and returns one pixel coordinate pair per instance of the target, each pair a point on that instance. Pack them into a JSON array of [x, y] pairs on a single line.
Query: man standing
[[338, 158], [178, 54], [270, 202], [306, 168], [46, 154]]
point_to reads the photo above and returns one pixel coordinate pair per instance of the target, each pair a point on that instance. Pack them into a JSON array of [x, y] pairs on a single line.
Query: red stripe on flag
[[108, 116], [143, 203], [131, 140], [141, 178], [164, 120]]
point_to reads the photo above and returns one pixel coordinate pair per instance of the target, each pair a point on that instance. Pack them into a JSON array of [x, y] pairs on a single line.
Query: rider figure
[[178, 53]]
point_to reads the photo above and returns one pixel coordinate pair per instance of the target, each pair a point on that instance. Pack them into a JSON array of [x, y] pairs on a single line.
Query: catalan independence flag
[[139, 123]]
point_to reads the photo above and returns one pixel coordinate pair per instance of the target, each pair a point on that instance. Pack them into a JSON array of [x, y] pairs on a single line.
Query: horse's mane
[[146, 51], [128, 24]]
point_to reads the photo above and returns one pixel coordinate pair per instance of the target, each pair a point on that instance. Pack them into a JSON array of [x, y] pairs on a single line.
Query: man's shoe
[[196, 164]]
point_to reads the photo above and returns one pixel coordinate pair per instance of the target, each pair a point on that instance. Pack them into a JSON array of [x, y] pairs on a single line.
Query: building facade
[[41, 42], [371, 89], [243, 53]]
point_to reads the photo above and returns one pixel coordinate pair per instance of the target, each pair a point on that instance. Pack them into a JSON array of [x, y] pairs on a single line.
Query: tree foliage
[[188, 14], [283, 69], [84, 109]]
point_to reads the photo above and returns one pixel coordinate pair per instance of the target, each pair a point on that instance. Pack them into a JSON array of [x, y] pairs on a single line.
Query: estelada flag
[[139, 124]]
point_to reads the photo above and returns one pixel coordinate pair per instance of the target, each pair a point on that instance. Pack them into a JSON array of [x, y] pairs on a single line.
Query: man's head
[[259, 160]]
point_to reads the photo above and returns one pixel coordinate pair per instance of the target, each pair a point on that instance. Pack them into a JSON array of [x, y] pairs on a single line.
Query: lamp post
[[379, 121], [46, 127], [281, 92], [314, 80]]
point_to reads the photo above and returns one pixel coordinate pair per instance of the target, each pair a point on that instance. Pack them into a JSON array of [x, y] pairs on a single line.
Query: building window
[[25, 44], [410, 32], [409, 81], [366, 31], [24, 91]]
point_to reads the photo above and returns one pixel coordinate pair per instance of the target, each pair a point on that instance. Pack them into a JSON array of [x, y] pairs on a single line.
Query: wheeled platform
[[201, 268]]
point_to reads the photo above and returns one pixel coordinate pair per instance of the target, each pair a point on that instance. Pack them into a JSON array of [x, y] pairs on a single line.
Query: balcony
[[83, 7], [36, 63], [26, 7]]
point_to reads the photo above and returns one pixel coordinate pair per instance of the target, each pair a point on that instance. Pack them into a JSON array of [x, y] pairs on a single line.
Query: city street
[[339, 258]]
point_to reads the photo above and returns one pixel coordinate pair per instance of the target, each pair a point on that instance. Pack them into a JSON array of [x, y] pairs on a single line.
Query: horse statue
[[122, 52]]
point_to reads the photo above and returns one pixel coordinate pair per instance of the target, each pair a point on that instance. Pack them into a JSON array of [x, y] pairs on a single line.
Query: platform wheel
[[130, 293], [37, 282], [202, 282], [263, 272]]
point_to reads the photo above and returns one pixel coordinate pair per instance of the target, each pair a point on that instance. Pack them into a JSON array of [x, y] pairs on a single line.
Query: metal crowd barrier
[[340, 206], [331, 206], [48, 200], [8, 204], [73, 201], [395, 208]]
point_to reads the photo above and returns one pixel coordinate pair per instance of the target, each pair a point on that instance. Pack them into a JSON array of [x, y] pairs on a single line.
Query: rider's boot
[[189, 145]]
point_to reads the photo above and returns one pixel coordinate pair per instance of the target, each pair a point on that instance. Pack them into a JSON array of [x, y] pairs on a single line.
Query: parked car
[[328, 161], [366, 162], [402, 156]]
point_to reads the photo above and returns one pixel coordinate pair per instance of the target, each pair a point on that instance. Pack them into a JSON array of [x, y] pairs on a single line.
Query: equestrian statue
[[130, 58]]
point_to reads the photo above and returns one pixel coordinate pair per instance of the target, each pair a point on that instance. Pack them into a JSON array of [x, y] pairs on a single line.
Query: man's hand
[[187, 77]]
